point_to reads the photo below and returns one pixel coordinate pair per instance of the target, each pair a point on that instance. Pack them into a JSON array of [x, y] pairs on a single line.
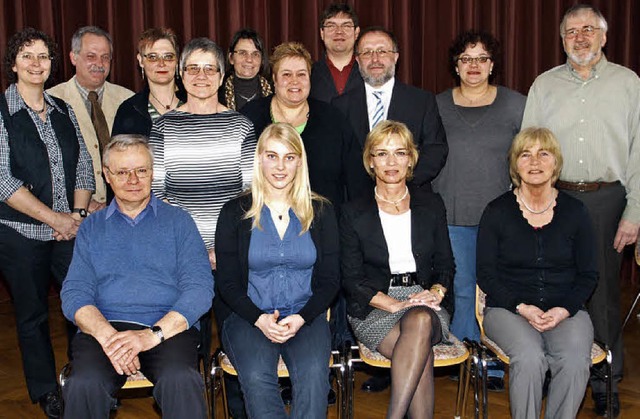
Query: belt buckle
[[405, 280], [581, 187]]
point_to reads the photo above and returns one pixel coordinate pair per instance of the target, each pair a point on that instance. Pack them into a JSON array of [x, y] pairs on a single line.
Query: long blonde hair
[[300, 196]]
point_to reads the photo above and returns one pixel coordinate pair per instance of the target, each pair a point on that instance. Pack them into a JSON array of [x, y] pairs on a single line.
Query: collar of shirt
[[598, 68], [387, 91], [113, 208], [340, 77], [16, 103], [85, 93]]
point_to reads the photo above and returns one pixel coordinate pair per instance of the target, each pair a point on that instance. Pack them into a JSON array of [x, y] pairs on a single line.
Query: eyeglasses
[[122, 175], [246, 54], [586, 31], [166, 57], [381, 53], [344, 27], [194, 69], [384, 155], [465, 59], [27, 56]]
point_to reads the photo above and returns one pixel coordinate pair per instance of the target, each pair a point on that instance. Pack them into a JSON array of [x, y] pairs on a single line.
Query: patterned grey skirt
[[378, 323]]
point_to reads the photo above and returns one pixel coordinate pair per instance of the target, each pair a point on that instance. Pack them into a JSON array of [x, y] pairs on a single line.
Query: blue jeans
[[464, 324], [463, 243], [256, 359]]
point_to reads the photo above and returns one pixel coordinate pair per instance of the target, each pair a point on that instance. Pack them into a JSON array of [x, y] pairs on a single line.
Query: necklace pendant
[[280, 217]]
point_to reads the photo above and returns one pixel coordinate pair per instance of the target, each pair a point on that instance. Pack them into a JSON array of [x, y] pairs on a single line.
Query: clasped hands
[[122, 349], [542, 320], [65, 225], [279, 331]]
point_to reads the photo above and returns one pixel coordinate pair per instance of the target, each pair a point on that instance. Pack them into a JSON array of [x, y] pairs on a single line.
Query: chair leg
[[462, 386], [609, 380], [485, 397]]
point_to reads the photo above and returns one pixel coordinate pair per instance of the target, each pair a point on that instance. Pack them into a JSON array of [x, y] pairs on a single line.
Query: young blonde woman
[[277, 274]]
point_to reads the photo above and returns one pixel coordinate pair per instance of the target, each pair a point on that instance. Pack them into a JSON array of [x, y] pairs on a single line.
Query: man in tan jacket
[[91, 54]]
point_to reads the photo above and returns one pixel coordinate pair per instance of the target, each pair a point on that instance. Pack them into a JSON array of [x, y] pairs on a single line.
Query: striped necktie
[[378, 112]]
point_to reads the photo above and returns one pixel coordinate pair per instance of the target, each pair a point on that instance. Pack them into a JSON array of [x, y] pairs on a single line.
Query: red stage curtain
[[528, 29]]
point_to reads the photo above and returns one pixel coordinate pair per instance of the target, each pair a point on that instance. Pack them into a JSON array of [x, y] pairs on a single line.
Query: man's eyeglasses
[[122, 175], [194, 69], [152, 57], [381, 53], [246, 54], [586, 31], [465, 59], [344, 27], [27, 56]]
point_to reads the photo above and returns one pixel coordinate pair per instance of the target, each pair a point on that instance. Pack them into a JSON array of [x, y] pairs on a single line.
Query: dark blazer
[[233, 236], [133, 116], [365, 256], [416, 108], [322, 85], [334, 156]]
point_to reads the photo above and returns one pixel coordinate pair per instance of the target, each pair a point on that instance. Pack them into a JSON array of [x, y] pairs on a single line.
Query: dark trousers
[[171, 366], [605, 207], [28, 266]]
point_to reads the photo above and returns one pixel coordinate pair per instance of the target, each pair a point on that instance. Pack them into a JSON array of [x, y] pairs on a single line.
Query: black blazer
[[133, 116], [322, 85], [233, 236], [334, 156], [365, 256], [416, 108]]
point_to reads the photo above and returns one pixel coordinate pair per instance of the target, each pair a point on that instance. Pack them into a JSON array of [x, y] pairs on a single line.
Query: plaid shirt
[[9, 184]]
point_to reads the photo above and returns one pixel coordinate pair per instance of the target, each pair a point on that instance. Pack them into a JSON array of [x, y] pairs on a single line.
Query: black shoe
[[600, 400], [376, 384], [51, 404], [331, 397], [495, 384], [286, 394]]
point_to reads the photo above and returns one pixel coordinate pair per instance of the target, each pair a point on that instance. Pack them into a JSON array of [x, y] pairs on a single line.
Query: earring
[[457, 71], [142, 70]]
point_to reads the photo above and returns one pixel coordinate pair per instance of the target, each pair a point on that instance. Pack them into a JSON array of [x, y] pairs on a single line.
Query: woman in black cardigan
[[158, 53], [397, 266], [277, 272]]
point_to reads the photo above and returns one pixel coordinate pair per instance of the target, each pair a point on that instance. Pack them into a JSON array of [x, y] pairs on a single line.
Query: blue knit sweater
[[138, 270]]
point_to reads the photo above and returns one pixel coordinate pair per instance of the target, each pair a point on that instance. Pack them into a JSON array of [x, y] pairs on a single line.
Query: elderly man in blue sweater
[[138, 283]]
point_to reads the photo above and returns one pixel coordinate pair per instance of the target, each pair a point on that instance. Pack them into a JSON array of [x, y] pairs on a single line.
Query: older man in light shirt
[[593, 107]]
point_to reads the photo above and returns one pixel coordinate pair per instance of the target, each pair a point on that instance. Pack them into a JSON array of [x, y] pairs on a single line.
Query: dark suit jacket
[[233, 237], [334, 156], [365, 256], [322, 86], [416, 108]]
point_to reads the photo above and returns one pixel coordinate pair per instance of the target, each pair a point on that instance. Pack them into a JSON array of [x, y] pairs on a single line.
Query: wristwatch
[[157, 330], [83, 212]]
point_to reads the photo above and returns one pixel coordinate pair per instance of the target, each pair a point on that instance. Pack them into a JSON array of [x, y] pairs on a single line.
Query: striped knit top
[[201, 162]]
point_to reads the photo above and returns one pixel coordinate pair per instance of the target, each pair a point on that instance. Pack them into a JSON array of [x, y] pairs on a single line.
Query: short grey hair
[[205, 45], [76, 40], [579, 9], [123, 142]]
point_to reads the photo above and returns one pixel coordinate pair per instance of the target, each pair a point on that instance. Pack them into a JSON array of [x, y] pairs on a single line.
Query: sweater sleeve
[[195, 280], [231, 281], [325, 282], [488, 248], [80, 286]]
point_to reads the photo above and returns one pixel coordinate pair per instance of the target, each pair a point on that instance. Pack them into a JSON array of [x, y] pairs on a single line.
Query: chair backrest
[[480, 303]]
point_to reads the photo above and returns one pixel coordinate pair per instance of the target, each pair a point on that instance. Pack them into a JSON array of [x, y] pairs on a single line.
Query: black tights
[[409, 346]]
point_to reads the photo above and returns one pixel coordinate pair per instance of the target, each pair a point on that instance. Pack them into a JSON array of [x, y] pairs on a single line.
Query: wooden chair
[[490, 351], [458, 353]]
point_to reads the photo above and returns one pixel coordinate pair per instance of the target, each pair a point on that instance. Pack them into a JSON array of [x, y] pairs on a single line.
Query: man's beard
[[379, 80]]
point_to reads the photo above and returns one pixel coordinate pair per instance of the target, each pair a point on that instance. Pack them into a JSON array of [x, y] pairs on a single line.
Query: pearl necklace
[[553, 198], [394, 203]]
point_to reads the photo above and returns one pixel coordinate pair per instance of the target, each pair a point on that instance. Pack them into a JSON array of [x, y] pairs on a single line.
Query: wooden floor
[[14, 402]]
